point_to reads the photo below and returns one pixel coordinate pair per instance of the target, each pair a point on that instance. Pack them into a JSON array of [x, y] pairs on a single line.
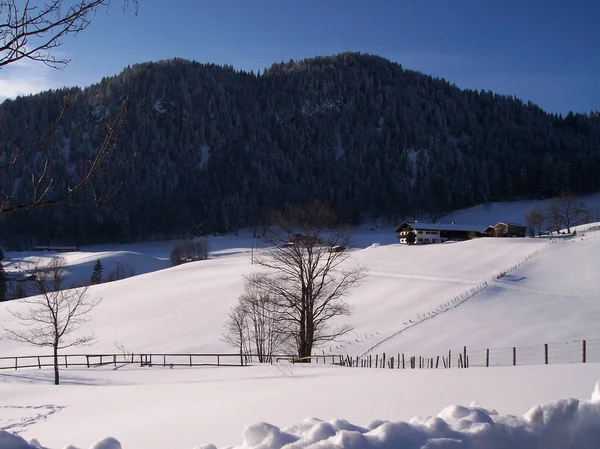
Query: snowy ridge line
[[583, 351], [562, 424], [453, 303]]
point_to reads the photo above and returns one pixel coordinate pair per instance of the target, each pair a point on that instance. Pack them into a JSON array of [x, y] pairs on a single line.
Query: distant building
[[503, 229], [438, 232]]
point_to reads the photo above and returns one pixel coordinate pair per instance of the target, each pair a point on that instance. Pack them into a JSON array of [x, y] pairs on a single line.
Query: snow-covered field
[[156, 408], [421, 300]]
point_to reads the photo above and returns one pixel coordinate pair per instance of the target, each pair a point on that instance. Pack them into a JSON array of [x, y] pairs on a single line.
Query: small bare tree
[[53, 316], [534, 219], [254, 325], [236, 330], [567, 210], [307, 275]]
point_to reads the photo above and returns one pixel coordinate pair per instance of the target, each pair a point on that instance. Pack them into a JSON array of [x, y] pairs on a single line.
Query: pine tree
[[96, 277], [3, 284]]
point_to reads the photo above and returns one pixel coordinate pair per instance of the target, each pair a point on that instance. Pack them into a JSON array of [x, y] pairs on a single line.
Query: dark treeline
[[218, 148]]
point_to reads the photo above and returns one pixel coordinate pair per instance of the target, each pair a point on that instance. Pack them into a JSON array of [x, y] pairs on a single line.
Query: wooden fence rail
[[155, 359]]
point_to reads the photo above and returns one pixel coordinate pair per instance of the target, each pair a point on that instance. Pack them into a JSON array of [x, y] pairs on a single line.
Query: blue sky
[[544, 51]]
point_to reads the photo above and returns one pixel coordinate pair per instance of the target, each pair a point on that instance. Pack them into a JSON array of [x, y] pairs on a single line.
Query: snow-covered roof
[[511, 224], [442, 227]]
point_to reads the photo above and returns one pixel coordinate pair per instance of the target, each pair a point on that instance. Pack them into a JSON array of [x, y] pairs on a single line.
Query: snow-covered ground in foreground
[[157, 408]]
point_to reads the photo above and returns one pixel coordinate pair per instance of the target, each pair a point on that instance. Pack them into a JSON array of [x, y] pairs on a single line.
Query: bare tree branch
[[32, 30], [43, 182]]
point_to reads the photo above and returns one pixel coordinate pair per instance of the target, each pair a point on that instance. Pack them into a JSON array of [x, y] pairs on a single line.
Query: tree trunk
[[56, 373]]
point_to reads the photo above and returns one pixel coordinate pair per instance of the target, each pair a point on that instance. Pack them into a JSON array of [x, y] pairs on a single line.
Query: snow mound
[[563, 424], [12, 441]]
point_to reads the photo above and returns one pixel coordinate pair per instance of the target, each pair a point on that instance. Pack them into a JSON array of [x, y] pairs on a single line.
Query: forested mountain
[[217, 148]]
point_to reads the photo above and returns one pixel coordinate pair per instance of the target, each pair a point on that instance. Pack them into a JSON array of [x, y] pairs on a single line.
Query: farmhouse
[[438, 232], [503, 229]]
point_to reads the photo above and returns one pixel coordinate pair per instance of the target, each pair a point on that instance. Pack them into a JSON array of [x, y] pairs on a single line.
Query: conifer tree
[[3, 284], [96, 277]]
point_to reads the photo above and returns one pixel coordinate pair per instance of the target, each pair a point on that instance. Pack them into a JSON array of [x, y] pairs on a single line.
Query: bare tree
[[189, 251], [254, 325], [53, 316], [32, 30], [535, 220], [567, 210], [307, 275], [236, 330]]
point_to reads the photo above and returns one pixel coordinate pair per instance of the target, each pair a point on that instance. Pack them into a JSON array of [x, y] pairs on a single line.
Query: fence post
[[16, 362], [465, 357], [383, 361], [376, 360], [487, 358], [392, 362], [190, 359], [398, 360], [437, 362], [66, 362], [87, 361], [165, 360], [370, 361], [583, 354], [449, 358], [114, 359], [39, 363], [460, 362], [545, 353], [514, 356], [357, 361]]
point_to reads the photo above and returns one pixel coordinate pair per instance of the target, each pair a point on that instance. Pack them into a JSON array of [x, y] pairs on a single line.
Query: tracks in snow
[[17, 418]]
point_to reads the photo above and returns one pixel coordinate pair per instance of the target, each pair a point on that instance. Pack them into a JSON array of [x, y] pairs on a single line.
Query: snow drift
[[564, 424]]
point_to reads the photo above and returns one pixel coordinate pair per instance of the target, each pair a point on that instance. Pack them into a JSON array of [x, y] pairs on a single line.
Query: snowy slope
[[553, 298], [183, 309]]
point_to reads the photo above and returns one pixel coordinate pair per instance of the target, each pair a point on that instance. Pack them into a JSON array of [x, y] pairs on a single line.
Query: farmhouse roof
[[441, 227], [511, 224]]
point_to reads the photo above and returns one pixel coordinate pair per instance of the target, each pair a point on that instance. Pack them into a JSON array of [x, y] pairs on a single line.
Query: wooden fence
[[147, 359], [580, 351]]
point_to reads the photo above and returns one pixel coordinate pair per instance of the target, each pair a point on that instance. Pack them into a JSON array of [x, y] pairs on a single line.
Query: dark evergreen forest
[[216, 149]]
